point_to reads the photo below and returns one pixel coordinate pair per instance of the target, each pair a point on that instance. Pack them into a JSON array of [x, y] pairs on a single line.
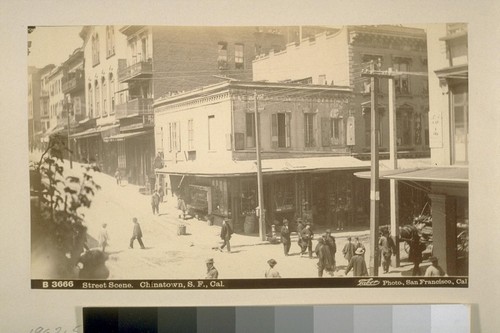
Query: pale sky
[[53, 45]]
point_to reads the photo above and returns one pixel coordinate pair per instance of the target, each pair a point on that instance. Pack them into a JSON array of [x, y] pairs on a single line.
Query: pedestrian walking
[[285, 237], [225, 234], [330, 241], [307, 237], [155, 202], [348, 250], [212, 272], [323, 252], [103, 237], [271, 272], [415, 253], [357, 264], [434, 269], [118, 177], [136, 234], [386, 248]]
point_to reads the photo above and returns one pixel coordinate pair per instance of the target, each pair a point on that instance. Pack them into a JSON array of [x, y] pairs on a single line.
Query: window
[[221, 197], [309, 130], [238, 56], [95, 50], [104, 98], [91, 102], [280, 132], [337, 131], [249, 198], [402, 82], [97, 99], [112, 93], [190, 135], [174, 136], [222, 55], [404, 127], [144, 48], [460, 123], [110, 41], [250, 130], [211, 132]]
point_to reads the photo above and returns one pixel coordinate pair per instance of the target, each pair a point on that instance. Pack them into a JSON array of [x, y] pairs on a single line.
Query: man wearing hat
[[357, 264], [325, 257], [271, 272], [212, 272], [285, 237], [307, 236], [434, 269], [348, 249]]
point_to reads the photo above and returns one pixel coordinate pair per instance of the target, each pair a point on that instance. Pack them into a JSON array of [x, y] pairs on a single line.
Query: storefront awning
[[123, 136], [271, 166], [436, 174], [85, 134]]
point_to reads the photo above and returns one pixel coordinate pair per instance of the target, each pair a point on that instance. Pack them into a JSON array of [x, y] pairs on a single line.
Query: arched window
[[104, 97], [91, 102], [97, 99], [95, 50], [112, 93], [110, 41]]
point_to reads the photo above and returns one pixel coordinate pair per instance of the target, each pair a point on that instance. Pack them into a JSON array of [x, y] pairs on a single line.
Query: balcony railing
[[139, 70], [74, 82], [134, 107]]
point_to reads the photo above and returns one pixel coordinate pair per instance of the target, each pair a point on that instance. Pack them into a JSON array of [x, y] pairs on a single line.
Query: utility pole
[[262, 211], [374, 178], [375, 75], [393, 158]]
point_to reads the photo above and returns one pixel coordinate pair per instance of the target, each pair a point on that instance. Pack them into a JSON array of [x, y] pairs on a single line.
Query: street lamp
[[69, 111]]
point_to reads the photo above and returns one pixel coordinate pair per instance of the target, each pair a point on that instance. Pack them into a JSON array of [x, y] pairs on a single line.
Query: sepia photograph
[[248, 157]]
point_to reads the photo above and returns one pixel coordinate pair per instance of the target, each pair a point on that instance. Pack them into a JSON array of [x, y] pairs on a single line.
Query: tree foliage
[[57, 217]]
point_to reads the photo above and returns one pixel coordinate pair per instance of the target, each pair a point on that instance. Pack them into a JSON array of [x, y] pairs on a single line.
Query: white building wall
[[200, 114], [326, 56], [439, 115], [105, 67]]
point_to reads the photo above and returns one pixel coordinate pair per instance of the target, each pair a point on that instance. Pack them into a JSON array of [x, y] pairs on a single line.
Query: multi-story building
[[33, 106], [338, 57], [447, 181], [208, 139], [56, 101], [162, 60], [102, 47], [45, 98]]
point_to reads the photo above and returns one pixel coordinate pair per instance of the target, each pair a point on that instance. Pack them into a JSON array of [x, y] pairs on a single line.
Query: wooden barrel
[[249, 224]]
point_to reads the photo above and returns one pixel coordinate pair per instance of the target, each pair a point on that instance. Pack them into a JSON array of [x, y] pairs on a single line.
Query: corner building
[[208, 139]]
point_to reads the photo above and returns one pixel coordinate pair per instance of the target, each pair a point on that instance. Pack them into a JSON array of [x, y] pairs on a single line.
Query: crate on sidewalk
[[181, 230]]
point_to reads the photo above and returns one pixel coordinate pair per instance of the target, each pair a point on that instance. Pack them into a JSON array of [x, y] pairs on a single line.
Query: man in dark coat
[[225, 234], [325, 262], [357, 264], [136, 234], [155, 202], [307, 237], [348, 249], [330, 241], [415, 253], [285, 237], [386, 247]]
